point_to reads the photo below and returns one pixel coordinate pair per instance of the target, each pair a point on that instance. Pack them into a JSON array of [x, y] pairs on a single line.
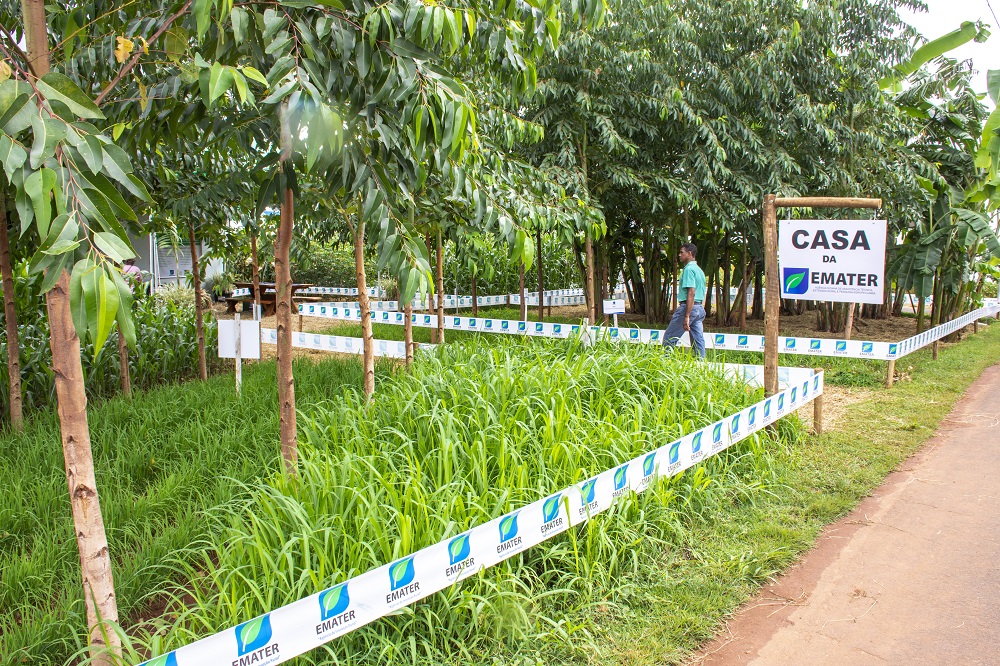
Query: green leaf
[[175, 42], [53, 273], [77, 304], [332, 598], [59, 86], [241, 86], [12, 154], [931, 50], [107, 308], [117, 166], [219, 81], [240, 20], [793, 281], [126, 326], [114, 197], [15, 112], [203, 15], [88, 284], [254, 75], [48, 132], [111, 245], [38, 187]]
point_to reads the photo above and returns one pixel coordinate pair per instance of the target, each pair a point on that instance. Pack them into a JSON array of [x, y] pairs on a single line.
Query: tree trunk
[[758, 293], [123, 365], [408, 332], [541, 274], [255, 270], [638, 294], [920, 313], [430, 297], [88, 523], [849, 321], [591, 305], [727, 285], [365, 307], [440, 286], [198, 305], [475, 297], [524, 296], [10, 316], [283, 318]]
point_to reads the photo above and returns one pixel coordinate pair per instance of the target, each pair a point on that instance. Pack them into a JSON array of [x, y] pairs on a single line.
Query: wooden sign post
[[772, 283]]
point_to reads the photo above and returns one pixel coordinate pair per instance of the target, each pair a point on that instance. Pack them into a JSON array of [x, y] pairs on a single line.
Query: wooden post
[[934, 349], [890, 373], [818, 410], [239, 350], [772, 300]]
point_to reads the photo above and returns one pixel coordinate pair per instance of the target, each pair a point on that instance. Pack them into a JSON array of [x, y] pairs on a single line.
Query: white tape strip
[[291, 630], [340, 344], [722, 341]]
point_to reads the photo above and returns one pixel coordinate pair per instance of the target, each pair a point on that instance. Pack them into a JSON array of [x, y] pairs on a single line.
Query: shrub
[[166, 346]]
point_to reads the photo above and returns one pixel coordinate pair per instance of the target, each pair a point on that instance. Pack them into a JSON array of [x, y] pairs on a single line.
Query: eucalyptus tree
[[67, 173]]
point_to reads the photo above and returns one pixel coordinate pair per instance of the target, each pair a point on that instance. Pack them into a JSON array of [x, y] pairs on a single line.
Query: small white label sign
[[614, 306], [249, 339], [832, 260]]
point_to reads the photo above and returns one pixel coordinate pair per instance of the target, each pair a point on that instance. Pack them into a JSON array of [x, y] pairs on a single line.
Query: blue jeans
[[676, 328]]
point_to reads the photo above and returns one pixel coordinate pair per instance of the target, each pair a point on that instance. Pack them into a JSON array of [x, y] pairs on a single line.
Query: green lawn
[[179, 466]]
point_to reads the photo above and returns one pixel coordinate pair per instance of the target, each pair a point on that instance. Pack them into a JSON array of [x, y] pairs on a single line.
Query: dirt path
[[912, 576]]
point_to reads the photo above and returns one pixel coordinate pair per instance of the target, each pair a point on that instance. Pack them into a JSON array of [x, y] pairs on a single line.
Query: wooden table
[[268, 296]]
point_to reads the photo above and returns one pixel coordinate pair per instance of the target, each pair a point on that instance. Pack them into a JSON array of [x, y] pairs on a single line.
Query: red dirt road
[[912, 576]]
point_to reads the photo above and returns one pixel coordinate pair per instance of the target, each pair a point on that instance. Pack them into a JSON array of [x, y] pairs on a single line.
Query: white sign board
[[616, 306], [249, 339], [832, 260]]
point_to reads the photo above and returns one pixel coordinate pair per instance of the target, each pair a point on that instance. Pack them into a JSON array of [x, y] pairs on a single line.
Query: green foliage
[[163, 458], [425, 461], [165, 351]]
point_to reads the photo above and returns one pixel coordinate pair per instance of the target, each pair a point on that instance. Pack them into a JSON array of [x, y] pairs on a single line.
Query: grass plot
[[475, 431]]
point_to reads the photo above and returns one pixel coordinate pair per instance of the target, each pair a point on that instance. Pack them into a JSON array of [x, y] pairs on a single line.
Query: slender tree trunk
[[849, 321], [758, 293], [123, 365], [440, 286], [674, 297], [541, 276], [198, 305], [365, 307], [255, 270], [430, 297], [283, 318], [638, 293], [10, 317], [88, 522], [524, 295], [408, 332], [475, 297], [727, 284], [591, 305], [920, 313]]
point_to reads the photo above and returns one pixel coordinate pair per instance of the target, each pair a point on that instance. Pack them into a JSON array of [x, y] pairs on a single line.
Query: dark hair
[[690, 248]]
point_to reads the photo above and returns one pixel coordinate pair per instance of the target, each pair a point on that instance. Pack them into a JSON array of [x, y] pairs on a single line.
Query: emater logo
[[253, 643], [796, 281]]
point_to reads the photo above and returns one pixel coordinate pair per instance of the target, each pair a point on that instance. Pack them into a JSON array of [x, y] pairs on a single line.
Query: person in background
[[132, 274], [690, 314]]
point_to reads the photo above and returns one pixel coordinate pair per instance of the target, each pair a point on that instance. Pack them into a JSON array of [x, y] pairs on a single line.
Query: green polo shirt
[[693, 276]]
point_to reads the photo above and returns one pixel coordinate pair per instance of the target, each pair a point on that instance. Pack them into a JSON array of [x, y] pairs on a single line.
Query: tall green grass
[[473, 432], [163, 459]]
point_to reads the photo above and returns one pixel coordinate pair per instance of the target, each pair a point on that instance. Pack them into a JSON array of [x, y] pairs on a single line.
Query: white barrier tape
[[292, 630], [929, 336], [343, 345], [826, 347]]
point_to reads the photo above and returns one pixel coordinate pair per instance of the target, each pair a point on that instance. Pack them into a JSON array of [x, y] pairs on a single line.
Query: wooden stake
[[934, 349], [890, 373], [818, 410], [772, 301]]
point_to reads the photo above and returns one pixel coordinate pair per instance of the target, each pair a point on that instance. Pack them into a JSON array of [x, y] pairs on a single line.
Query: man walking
[[690, 314]]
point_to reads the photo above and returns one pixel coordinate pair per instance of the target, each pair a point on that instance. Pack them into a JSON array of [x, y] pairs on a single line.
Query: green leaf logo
[[456, 546], [508, 528], [332, 598], [793, 281], [401, 573], [251, 630]]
